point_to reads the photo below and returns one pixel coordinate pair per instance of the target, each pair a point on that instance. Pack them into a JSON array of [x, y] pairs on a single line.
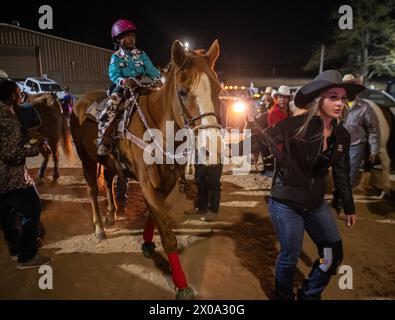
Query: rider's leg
[[106, 118]]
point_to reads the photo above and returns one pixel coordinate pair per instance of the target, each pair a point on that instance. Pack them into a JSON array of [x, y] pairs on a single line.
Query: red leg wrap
[[177, 274]]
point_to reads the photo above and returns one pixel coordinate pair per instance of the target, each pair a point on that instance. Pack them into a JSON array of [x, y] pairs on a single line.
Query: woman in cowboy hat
[[313, 142], [267, 100], [280, 110]]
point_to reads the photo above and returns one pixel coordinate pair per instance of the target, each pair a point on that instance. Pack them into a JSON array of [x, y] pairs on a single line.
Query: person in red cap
[[127, 66]]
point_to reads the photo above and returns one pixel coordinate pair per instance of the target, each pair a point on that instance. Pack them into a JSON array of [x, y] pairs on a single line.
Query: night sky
[[254, 35]]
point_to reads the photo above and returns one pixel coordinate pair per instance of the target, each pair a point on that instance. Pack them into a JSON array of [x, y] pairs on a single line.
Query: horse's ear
[[213, 53], [178, 53]]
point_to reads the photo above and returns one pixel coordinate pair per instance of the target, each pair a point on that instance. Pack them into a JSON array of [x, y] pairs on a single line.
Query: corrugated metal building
[[25, 53]]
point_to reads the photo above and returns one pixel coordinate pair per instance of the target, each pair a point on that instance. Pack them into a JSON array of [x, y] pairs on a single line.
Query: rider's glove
[[157, 82], [130, 83]]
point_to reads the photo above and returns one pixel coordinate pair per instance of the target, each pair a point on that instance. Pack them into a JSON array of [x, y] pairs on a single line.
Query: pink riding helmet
[[122, 26]]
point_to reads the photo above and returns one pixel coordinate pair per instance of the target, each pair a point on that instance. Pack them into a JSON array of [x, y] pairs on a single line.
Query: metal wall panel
[[55, 55]]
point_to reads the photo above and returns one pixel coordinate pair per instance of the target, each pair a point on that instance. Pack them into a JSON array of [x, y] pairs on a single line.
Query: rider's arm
[[373, 129], [152, 72], [114, 71], [238, 149], [341, 173]]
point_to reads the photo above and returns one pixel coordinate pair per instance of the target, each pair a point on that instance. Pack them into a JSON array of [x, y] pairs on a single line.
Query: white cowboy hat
[[284, 91], [268, 90], [352, 79]]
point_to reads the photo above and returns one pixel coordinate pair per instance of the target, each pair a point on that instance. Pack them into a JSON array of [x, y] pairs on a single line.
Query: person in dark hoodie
[[312, 143]]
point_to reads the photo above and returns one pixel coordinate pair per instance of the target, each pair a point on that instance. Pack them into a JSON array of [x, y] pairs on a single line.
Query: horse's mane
[[195, 64]]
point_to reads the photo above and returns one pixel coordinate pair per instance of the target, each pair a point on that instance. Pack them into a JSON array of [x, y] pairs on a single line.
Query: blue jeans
[[357, 154], [290, 227]]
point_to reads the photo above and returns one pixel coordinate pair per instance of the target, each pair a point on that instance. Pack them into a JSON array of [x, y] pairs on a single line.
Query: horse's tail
[[66, 137]]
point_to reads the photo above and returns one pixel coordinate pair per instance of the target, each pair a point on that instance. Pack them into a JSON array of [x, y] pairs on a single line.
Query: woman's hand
[[351, 219]]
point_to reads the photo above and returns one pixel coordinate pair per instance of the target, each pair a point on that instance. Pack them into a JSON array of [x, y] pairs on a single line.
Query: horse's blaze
[[209, 138]]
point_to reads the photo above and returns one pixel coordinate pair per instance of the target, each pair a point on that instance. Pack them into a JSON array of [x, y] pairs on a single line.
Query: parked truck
[[35, 85]]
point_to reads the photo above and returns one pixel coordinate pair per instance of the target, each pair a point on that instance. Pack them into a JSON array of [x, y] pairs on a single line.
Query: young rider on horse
[[127, 66]]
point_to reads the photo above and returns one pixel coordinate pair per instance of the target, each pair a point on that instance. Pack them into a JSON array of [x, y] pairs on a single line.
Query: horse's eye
[[183, 93]]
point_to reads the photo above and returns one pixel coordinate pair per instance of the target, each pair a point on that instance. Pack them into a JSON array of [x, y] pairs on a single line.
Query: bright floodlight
[[239, 107], [186, 45]]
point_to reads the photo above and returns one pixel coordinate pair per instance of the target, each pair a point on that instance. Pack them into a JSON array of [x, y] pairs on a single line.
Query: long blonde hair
[[312, 108]]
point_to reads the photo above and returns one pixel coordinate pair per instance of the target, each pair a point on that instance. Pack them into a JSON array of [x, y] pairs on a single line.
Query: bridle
[[189, 121]]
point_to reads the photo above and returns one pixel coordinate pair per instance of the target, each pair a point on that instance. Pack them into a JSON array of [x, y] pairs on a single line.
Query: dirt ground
[[232, 258]]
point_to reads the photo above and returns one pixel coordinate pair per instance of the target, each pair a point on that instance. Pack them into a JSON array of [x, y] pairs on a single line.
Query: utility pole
[[322, 58], [73, 68]]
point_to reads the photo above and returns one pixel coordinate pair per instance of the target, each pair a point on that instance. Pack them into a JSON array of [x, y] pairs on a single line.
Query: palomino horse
[[54, 127], [189, 97]]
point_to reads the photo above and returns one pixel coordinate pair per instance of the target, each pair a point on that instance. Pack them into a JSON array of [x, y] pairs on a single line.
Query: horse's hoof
[[110, 221], [101, 236], [54, 183], [185, 294], [148, 249]]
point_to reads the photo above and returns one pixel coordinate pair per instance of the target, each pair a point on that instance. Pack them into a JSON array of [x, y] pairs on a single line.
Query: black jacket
[[302, 167]]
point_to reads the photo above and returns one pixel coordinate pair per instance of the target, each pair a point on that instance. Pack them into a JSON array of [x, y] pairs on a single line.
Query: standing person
[[67, 104], [18, 195], [312, 142], [208, 182], [267, 101], [127, 66], [280, 111], [363, 126], [121, 193]]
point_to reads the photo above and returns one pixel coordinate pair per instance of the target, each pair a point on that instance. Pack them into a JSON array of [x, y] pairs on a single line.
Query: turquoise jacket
[[131, 64]]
